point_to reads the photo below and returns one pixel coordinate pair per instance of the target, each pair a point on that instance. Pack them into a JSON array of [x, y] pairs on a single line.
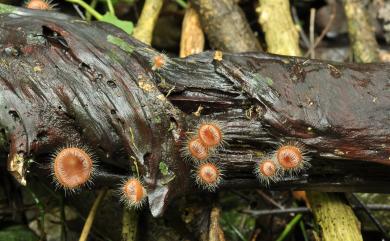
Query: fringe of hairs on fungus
[[194, 150], [159, 61], [73, 167], [208, 175], [268, 170], [40, 4], [292, 157], [200, 146], [204, 141], [132, 193], [211, 134], [289, 159]]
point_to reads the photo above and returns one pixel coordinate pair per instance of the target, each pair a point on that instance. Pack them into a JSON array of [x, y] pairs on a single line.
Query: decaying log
[[66, 81]]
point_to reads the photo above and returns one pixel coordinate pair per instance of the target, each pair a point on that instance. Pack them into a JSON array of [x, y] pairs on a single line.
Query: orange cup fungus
[[267, 170], [39, 5], [72, 167], [196, 149], [208, 176], [133, 192], [158, 62], [210, 134], [291, 157]]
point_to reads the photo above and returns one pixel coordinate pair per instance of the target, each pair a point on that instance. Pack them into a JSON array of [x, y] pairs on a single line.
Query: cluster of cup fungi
[[201, 147], [288, 159], [73, 167]]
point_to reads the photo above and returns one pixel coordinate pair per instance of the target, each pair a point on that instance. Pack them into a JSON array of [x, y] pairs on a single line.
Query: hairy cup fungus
[[210, 134], [267, 170], [291, 157], [39, 4], [72, 167], [133, 193], [158, 62], [208, 176], [196, 150]]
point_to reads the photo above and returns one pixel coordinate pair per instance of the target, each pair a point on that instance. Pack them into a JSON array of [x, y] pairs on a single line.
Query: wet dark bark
[[65, 81]]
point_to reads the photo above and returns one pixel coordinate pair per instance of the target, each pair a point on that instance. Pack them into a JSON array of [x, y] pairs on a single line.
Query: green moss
[[263, 79], [6, 8], [122, 44], [163, 168], [168, 175], [157, 120], [269, 81]]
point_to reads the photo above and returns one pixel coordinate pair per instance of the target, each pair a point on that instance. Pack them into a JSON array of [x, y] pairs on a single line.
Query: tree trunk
[[64, 81]]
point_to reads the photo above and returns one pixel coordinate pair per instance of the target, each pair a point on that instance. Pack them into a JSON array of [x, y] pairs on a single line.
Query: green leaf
[[126, 26]]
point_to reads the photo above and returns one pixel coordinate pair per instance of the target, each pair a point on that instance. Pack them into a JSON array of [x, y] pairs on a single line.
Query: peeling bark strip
[[64, 81]]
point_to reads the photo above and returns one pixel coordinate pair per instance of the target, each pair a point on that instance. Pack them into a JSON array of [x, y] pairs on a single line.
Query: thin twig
[[63, 220], [301, 32], [373, 207], [255, 234], [370, 216], [325, 30], [80, 13], [269, 199], [91, 215], [312, 20], [257, 213], [41, 208], [245, 197]]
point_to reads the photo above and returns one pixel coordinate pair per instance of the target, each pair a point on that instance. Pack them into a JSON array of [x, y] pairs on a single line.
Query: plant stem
[[88, 15], [39, 204], [110, 7], [289, 227], [91, 215], [303, 229], [182, 3], [88, 8]]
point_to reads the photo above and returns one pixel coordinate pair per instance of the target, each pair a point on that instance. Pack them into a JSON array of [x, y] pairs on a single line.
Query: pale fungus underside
[[63, 81]]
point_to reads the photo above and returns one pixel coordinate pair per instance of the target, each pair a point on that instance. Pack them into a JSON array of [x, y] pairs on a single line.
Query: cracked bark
[[64, 81]]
